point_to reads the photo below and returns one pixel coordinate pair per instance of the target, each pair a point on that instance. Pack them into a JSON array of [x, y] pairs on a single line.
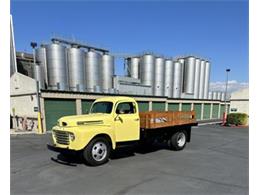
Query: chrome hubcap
[[181, 139], [99, 151]]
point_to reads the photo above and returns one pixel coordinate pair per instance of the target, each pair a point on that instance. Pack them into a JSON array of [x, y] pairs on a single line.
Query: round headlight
[[72, 136]]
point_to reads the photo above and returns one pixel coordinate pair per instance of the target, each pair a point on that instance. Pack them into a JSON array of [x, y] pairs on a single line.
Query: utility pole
[[34, 45], [13, 62], [225, 112]]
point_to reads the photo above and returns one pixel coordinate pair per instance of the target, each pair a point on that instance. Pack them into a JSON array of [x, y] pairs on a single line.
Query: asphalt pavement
[[214, 162]]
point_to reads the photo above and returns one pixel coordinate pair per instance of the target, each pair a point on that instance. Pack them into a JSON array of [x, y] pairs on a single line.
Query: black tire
[[178, 140], [98, 156]]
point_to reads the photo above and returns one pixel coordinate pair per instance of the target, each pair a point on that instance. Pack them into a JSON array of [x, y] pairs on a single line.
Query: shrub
[[237, 119]]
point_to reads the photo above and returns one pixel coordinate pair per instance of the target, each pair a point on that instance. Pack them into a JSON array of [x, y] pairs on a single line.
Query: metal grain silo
[[202, 79], [189, 75], [133, 67], [107, 72], [182, 61], [222, 96], [111, 90], [197, 78], [206, 81], [210, 95], [57, 67], [40, 55], [38, 75], [215, 95], [76, 66], [218, 95], [147, 69], [159, 76], [93, 61], [168, 78], [177, 79], [97, 89]]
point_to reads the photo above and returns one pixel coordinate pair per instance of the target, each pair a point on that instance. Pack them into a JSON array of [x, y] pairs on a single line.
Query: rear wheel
[[97, 151], [178, 140]]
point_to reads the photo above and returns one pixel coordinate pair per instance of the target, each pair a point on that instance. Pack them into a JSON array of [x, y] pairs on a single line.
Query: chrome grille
[[62, 137]]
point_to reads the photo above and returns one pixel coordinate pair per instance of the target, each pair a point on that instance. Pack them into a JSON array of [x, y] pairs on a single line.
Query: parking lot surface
[[214, 162]]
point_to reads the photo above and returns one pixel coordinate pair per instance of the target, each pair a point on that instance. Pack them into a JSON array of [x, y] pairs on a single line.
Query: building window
[[233, 109]]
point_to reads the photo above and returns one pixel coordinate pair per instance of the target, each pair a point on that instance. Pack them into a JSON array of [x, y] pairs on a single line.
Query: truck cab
[[113, 119]]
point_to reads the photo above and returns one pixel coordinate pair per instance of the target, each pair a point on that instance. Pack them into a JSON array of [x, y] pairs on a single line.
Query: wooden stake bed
[[154, 119]]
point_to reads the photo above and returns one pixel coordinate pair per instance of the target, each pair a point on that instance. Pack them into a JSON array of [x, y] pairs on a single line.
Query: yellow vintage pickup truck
[[115, 121]]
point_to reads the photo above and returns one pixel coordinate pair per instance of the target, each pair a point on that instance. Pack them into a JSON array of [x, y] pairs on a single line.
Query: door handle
[[137, 119]]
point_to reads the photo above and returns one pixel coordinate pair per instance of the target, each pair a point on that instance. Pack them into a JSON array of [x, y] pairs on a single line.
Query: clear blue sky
[[216, 30]]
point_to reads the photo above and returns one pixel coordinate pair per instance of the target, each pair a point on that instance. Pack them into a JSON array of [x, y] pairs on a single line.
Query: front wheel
[[97, 151], [178, 140]]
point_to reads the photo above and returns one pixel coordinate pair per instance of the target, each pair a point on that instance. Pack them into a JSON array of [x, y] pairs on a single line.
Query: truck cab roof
[[115, 99]]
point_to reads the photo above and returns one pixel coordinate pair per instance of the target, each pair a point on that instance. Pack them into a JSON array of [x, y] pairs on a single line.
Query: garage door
[[173, 106], [222, 110], [197, 109], [143, 106], [206, 111], [56, 108], [215, 111], [186, 107], [158, 106]]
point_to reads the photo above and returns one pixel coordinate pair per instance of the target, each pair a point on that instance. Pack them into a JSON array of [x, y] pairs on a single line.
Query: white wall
[[21, 84], [241, 106], [23, 106], [240, 100], [23, 96]]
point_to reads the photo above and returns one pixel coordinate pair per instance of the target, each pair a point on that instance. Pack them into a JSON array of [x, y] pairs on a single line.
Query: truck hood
[[86, 119]]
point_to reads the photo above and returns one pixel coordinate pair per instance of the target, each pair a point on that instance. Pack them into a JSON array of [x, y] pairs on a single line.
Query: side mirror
[[118, 118]]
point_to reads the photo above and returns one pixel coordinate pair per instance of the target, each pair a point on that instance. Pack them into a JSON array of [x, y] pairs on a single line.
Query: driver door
[[127, 124]]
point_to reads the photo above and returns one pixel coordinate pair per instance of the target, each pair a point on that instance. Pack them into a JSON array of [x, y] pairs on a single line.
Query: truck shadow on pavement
[[74, 159], [127, 152], [69, 160]]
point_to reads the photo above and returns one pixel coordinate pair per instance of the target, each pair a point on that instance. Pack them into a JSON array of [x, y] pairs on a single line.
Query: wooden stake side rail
[[154, 119]]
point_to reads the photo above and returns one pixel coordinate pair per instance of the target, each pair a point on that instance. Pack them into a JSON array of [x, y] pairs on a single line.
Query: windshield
[[102, 107]]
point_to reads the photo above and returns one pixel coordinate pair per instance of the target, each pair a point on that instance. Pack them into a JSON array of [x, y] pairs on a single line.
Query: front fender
[[90, 133], [84, 134]]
